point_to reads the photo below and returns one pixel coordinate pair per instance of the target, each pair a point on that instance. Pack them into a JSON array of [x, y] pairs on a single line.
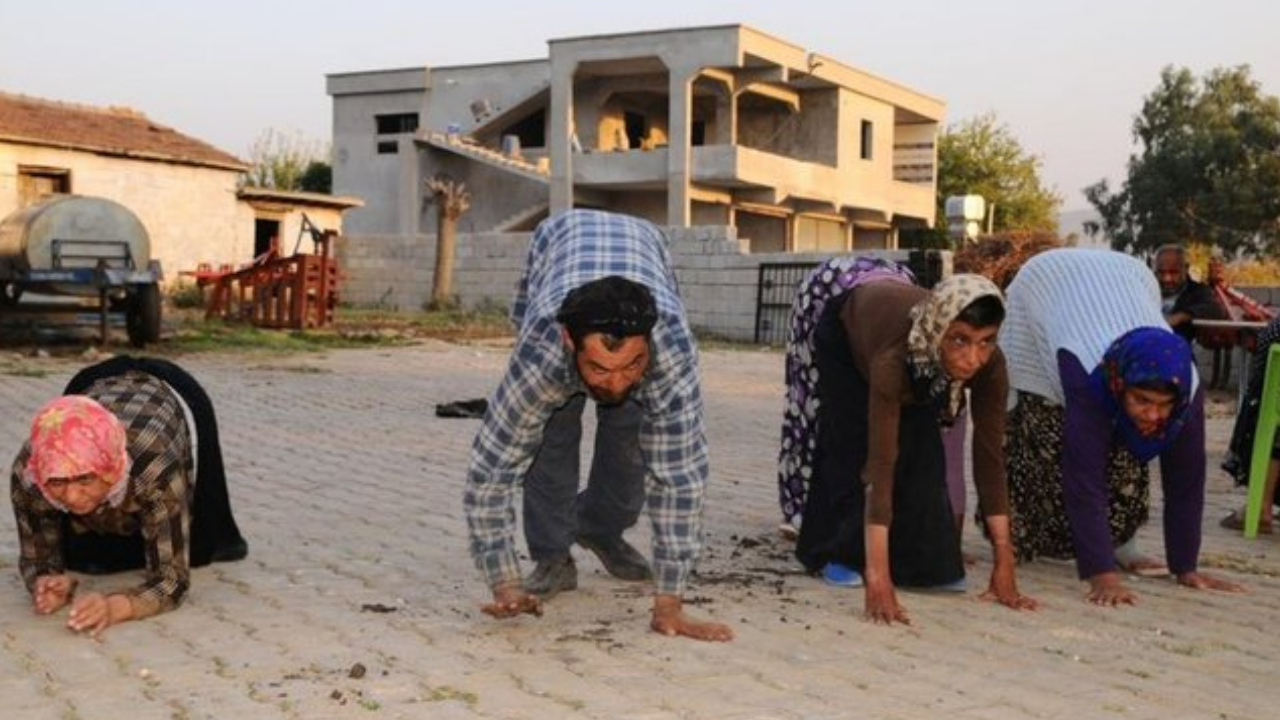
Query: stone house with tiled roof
[[185, 191], [182, 189]]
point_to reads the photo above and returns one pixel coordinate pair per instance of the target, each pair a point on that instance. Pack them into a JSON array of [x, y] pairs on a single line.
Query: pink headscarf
[[73, 436]]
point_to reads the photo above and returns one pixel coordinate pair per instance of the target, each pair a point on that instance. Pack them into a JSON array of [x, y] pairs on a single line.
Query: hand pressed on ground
[[882, 602], [1003, 588], [52, 592], [1107, 589], [94, 612]]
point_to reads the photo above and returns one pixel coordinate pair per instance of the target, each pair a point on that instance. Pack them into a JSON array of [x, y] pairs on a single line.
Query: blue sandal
[[841, 576]]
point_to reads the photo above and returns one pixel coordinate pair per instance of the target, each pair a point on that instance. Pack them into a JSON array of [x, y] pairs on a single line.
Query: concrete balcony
[[624, 169], [779, 178]]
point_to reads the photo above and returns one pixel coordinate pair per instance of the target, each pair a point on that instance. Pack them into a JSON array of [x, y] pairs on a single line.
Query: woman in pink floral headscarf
[[108, 481], [78, 454]]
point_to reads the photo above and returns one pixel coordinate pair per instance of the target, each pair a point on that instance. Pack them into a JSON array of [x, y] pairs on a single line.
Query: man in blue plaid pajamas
[[598, 315]]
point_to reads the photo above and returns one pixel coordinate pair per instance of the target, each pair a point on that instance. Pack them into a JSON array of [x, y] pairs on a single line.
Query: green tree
[[1207, 168], [280, 160], [980, 156], [317, 178]]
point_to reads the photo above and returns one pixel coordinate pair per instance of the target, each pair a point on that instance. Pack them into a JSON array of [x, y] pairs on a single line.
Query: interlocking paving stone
[[349, 490]]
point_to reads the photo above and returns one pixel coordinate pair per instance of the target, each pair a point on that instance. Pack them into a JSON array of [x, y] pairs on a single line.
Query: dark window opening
[[397, 124], [867, 137], [698, 133], [532, 130], [637, 128], [266, 234], [37, 183], [388, 147]]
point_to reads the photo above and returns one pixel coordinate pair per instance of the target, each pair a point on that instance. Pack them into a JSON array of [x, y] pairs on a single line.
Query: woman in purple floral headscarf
[[1103, 386]]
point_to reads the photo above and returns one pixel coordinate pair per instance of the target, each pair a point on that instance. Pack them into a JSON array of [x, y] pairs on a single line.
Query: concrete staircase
[[465, 147], [523, 220]]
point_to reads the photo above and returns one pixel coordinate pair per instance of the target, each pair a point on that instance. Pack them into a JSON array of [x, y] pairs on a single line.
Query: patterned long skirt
[[1033, 459], [800, 416]]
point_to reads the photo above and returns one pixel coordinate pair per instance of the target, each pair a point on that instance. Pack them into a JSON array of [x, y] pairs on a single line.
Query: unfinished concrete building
[[709, 126]]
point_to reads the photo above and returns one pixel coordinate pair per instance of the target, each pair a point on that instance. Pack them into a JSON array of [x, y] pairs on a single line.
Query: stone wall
[[395, 271], [718, 279]]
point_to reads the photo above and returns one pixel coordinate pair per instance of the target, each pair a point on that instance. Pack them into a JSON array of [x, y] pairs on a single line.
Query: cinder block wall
[[395, 271], [717, 277]]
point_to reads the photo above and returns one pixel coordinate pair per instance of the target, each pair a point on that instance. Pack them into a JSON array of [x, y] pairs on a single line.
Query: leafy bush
[[186, 295]]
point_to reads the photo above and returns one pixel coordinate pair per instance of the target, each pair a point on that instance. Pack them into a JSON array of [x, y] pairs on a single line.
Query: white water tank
[[27, 236], [965, 214]]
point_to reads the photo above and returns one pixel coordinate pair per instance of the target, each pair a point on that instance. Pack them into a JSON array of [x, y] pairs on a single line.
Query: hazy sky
[[1067, 77]]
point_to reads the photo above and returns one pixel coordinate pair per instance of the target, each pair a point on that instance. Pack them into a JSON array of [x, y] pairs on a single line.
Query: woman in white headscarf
[[894, 362]]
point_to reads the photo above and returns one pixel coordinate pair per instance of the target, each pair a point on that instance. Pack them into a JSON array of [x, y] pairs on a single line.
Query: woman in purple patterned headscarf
[[800, 418]]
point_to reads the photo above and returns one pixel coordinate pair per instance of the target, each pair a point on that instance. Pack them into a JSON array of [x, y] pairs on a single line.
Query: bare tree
[[281, 160], [452, 200]]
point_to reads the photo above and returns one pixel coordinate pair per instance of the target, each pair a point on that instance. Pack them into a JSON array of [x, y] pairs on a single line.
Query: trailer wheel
[[10, 294], [142, 318]]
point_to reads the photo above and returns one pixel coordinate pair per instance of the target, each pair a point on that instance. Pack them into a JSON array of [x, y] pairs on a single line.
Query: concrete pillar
[[409, 188], [679, 150], [726, 118], [559, 132]]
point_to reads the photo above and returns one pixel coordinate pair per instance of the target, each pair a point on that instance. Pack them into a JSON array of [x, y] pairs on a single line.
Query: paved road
[[349, 490]]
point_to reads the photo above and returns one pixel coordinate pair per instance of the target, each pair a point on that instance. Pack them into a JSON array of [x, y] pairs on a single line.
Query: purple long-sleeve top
[[1087, 436]]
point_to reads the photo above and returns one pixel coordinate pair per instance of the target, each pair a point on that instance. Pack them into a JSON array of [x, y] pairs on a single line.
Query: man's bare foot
[[510, 601], [669, 619]]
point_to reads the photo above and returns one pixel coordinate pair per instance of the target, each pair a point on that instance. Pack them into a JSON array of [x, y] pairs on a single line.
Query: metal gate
[[775, 291], [777, 284]]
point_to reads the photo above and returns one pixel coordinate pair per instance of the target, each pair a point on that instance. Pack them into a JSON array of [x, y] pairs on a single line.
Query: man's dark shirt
[[1197, 300]]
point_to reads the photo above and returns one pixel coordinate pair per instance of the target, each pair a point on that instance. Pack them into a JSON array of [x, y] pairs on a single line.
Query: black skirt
[[924, 547], [214, 534]]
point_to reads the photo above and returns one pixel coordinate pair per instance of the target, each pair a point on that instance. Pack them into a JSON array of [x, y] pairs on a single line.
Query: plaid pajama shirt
[[568, 251]]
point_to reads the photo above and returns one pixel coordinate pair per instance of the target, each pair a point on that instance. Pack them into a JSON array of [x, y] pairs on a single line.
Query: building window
[[397, 124], [388, 147], [35, 183], [868, 135]]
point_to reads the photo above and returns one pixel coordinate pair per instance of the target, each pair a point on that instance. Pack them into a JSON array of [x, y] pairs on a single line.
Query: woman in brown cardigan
[[894, 363]]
